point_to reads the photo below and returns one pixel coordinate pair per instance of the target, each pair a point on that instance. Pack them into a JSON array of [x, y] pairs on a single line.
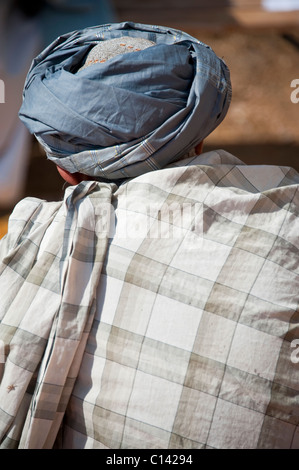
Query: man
[[156, 306]]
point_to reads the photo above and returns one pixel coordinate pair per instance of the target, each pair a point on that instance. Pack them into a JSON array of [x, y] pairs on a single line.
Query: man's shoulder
[[28, 206], [26, 215]]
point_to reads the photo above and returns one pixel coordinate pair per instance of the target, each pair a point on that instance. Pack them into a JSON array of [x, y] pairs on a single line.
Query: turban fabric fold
[[133, 113]]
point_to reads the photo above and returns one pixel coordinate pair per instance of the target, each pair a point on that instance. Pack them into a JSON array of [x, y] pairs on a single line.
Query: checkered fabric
[[194, 339]]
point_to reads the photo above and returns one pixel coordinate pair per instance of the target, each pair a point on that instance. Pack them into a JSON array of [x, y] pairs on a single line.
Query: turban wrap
[[130, 114]]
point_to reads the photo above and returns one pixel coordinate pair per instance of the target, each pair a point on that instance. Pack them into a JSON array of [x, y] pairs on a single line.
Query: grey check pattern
[[187, 342]]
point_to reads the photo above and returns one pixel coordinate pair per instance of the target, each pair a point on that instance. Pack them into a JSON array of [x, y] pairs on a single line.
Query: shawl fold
[[44, 320]]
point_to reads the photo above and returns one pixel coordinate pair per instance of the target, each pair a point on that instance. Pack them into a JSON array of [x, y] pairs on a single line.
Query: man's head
[[115, 101], [76, 178]]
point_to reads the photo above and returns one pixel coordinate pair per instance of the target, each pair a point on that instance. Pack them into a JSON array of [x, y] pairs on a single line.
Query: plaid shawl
[[160, 314]]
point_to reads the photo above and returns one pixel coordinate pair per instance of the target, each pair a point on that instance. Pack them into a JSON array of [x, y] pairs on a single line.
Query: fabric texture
[[106, 50], [188, 341], [133, 113], [50, 248]]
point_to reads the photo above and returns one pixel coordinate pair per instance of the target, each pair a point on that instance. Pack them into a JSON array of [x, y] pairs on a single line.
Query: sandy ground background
[[261, 126]]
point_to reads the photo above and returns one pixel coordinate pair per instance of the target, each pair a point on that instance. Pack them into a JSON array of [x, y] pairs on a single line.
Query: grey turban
[[110, 114]]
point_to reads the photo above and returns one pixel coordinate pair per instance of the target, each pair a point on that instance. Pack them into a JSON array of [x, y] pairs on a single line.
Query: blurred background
[[258, 39]]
